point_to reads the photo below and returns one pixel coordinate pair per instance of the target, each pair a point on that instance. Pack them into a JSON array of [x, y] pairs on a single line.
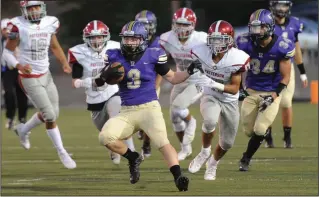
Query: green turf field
[[273, 172]]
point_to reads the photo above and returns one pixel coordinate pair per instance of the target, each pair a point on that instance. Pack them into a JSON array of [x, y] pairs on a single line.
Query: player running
[[178, 43], [140, 106], [288, 27], [34, 33], [223, 64], [149, 20], [87, 60], [270, 58]]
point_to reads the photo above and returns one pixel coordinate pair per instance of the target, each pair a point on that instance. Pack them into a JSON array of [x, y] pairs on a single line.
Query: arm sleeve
[[56, 26], [162, 69], [77, 70]]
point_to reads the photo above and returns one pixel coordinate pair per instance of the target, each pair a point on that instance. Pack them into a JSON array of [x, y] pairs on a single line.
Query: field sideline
[[273, 172]]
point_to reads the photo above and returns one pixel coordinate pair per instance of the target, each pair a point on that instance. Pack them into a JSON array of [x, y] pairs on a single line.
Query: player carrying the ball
[[135, 67]]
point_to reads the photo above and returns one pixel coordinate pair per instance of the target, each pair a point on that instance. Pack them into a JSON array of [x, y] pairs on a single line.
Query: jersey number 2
[[38, 47], [134, 79], [255, 66]]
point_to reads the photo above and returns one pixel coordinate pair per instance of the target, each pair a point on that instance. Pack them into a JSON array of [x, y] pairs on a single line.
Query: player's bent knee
[[178, 113], [285, 102], [179, 126], [208, 126], [49, 115], [56, 111], [260, 132], [161, 143], [226, 144], [106, 138]]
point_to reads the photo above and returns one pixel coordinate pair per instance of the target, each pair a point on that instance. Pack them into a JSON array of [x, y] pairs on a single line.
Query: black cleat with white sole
[[182, 183], [134, 167], [244, 163]]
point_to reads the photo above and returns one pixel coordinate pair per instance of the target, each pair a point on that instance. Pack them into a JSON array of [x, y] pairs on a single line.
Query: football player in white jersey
[[223, 64], [87, 60], [34, 33], [178, 43]]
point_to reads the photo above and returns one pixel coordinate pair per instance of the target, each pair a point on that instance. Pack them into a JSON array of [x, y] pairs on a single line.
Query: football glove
[[194, 67], [265, 102], [242, 94], [111, 72]]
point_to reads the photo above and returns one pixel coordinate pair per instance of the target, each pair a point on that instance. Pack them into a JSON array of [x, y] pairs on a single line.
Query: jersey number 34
[[255, 66]]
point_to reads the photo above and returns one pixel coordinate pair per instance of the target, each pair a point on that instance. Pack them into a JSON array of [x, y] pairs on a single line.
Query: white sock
[[214, 162], [31, 123], [186, 147], [55, 137], [206, 151], [130, 144]]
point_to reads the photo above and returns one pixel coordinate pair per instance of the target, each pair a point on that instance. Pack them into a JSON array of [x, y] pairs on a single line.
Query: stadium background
[[38, 172], [74, 15]]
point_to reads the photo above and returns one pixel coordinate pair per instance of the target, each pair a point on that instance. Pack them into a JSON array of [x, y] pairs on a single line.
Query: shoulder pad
[[286, 47]]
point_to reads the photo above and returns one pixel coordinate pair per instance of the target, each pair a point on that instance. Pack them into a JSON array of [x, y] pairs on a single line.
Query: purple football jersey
[[264, 73], [155, 43], [290, 29], [138, 84]]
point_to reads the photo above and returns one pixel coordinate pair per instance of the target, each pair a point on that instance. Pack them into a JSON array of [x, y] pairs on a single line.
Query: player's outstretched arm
[[234, 85], [59, 54], [176, 77]]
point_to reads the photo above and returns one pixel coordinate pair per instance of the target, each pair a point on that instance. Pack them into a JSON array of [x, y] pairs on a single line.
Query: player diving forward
[[140, 106], [149, 20], [178, 43], [87, 60], [34, 33], [223, 64], [287, 27], [270, 58]]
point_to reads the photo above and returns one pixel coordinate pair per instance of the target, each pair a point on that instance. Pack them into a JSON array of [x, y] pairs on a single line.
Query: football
[[115, 80]]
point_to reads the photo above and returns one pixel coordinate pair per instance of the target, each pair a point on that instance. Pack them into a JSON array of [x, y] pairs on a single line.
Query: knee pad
[[49, 115], [105, 138], [226, 144], [209, 126], [178, 112], [286, 101], [179, 125], [260, 129]]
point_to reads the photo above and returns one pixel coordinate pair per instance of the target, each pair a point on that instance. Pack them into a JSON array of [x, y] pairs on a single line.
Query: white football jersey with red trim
[[234, 60], [181, 53], [93, 62], [34, 42]]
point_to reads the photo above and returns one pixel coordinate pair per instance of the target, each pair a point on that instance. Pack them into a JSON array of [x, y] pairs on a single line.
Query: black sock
[[287, 131], [176, 171], [268, 133], [131, 156], [253, 145], [146, 144]]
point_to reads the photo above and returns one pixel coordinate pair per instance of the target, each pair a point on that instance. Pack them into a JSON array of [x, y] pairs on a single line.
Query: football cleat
[[116, 158], [146, 151], [134, 167], [182, 183], [287, 143], [210, 173], [24, 137], [198, 162], [244, 163], [9, 124], [66, 160]]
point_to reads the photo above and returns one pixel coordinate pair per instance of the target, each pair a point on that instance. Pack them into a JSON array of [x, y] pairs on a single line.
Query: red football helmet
[[96, 34], [33, 14], [220, 36], [184, 21]]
